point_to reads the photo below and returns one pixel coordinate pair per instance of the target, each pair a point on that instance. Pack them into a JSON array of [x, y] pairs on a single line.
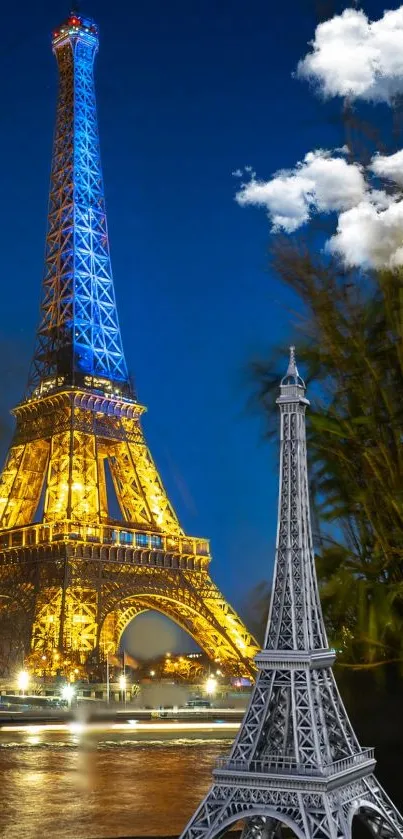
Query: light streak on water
[[155, 727]]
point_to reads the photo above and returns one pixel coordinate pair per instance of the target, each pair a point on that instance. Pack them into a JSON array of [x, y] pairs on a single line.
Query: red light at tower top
[[76, 25]]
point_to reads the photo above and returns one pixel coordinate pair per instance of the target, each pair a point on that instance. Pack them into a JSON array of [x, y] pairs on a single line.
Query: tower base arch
[[79, 596]]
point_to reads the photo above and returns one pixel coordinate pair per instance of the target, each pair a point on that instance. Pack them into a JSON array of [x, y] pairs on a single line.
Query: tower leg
[[375, 809]]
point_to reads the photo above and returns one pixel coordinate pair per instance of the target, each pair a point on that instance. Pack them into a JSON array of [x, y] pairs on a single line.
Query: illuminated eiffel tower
[[77, 575], [296, 761]]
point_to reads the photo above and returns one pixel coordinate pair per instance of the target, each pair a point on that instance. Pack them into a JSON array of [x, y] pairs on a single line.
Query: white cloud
[[352, 56], [389, 166], [285, 198], [320, 183], [370, 235], [370, 221]]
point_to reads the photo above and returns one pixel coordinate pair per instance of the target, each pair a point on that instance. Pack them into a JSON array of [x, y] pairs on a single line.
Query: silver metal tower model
[[296, 760]]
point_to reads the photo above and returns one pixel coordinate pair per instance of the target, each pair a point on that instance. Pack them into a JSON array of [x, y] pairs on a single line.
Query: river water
[[77, 784]]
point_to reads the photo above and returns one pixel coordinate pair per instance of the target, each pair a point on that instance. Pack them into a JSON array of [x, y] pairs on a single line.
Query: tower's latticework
[[79, 575], [296, 761]]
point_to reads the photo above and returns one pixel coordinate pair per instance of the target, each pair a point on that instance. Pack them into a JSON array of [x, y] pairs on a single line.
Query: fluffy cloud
[[349, 56], [320, 183], [389, 166], [370, 221], [352, 56], [370, 235]]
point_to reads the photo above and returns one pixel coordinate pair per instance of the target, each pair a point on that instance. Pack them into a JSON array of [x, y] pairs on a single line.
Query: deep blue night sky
[[187, 92]]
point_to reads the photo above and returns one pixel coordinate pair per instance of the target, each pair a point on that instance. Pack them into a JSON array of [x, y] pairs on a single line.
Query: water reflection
[[80, 784]]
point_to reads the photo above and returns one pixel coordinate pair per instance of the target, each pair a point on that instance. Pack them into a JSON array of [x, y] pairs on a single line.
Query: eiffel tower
[[73, 572], [296, 761]]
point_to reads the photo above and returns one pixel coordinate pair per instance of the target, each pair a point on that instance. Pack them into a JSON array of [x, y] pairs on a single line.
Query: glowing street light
[[152, 672], [122, 685], [67, 694], [210, 686], [23, 681]]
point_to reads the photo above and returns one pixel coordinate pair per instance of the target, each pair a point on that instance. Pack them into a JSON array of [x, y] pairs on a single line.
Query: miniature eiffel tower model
[[296, 760]]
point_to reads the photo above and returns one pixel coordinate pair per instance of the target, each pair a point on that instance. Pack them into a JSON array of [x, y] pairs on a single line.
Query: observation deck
[[108, 542], [299, 775]]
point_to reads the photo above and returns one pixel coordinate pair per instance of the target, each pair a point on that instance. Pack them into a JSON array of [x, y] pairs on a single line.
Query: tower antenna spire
[[292, 367], [292, 376]]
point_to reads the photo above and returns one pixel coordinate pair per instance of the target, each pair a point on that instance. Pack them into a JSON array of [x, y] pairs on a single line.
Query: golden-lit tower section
[[72, 574]]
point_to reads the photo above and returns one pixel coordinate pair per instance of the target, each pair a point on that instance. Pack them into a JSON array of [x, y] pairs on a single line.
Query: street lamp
[[23, 681], [67, 694], [210, 686], [122, 685]]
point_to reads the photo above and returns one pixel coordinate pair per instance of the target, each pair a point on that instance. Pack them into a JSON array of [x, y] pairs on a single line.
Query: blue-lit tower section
[[78, 340]]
